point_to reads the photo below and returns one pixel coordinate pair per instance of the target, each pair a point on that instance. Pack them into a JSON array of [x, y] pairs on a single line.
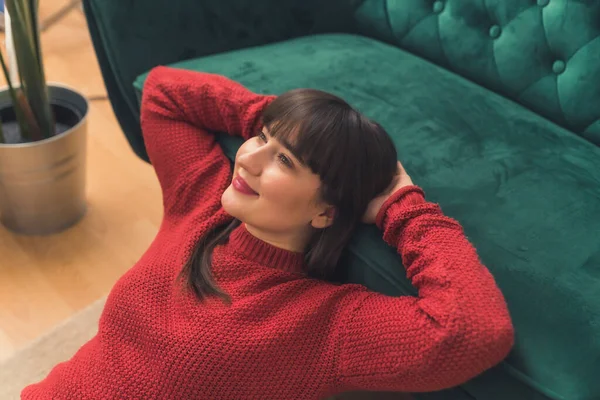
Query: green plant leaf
[[34, 128], [34, 85], [49, 115], [18, 112], [34, 8], [28, 72]]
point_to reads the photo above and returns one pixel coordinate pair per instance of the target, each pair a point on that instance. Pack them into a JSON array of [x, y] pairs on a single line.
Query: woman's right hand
[[400, 180]]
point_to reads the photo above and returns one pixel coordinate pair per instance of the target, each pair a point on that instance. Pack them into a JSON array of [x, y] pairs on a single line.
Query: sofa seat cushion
[[526, 191]]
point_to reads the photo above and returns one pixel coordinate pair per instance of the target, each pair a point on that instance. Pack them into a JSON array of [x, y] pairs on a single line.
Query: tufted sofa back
[[544, 54]]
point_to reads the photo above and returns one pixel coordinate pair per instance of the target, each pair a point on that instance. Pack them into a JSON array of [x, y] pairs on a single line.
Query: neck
[[290, 241]]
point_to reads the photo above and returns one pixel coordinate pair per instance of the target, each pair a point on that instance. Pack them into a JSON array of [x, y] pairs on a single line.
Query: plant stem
[[13, 95], [36, 133], [34, 8], [48, 112], [33, 80]]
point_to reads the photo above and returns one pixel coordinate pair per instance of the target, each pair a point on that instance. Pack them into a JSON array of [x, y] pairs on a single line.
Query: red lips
[[242, 186]]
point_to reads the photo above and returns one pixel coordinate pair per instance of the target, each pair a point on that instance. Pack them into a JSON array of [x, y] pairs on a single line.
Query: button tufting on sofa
[[438, 7], [558, 67], [509, 46], [495, 31]]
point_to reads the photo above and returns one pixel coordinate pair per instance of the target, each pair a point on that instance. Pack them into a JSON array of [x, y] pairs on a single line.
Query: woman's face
[[272, 191]]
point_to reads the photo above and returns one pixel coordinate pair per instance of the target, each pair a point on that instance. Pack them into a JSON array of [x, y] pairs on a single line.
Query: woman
[[247, 316]]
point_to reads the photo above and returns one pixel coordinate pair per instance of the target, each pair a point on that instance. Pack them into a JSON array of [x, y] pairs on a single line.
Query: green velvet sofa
[[494, 107]]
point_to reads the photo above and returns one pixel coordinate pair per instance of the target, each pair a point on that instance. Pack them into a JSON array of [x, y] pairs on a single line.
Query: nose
[[253, 161]]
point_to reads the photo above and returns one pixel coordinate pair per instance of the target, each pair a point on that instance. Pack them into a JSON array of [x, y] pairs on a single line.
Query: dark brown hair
[[354, 158]]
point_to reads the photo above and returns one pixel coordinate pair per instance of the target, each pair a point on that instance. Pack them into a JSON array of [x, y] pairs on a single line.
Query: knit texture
[[285, 336]]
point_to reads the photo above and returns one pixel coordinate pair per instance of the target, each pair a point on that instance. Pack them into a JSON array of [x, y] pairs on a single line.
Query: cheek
[[231, 201], [289, 193]]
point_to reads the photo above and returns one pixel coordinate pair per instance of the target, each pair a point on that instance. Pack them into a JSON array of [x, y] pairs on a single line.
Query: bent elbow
[[504, 341], [457, 355], [493, 343], [486, 349]]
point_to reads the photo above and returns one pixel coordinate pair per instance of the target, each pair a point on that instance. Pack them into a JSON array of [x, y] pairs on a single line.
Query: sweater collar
[[254, 249]]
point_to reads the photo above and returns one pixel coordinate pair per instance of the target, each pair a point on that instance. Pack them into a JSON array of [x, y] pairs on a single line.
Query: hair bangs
[[314, 128]]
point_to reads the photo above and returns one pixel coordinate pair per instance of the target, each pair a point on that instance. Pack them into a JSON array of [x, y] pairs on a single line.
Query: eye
[[261, 136], [285, 160]]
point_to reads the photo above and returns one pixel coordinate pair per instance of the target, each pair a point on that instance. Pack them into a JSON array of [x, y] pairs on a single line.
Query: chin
[[232, 204]]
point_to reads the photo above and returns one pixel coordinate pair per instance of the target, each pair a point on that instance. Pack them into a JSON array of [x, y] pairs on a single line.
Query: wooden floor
[[44, 280]]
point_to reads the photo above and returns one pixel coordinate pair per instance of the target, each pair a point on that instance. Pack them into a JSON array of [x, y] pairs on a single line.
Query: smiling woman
[[310, 170], [303, 183]]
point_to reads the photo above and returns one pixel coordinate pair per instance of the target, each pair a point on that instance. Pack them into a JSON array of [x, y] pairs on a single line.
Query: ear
[[324, 219]]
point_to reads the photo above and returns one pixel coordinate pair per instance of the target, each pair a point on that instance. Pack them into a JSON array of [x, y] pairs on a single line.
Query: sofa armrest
[[131, 37]]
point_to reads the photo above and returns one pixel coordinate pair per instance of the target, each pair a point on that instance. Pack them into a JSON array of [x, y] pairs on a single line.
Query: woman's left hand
[[400, 180]]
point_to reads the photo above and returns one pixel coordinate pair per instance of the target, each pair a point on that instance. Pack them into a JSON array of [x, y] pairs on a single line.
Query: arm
[[180, 111], [456, 328]]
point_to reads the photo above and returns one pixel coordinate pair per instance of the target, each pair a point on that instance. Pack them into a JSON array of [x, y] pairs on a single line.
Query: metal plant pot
[[42, 184]]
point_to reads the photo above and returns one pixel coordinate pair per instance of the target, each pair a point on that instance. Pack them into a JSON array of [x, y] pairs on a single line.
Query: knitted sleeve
[[457, 327], [180, 112]]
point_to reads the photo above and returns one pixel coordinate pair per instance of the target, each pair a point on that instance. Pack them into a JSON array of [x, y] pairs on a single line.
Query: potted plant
[[42, 137]]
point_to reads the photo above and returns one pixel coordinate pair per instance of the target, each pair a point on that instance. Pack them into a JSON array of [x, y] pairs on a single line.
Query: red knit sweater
[[285, 336]]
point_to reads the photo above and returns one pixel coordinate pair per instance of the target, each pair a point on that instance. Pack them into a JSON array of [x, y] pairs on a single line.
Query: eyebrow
[[288, 146]]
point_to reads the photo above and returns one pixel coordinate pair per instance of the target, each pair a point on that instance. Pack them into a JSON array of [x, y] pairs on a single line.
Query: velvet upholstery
[[526, 190], [544, 54]]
